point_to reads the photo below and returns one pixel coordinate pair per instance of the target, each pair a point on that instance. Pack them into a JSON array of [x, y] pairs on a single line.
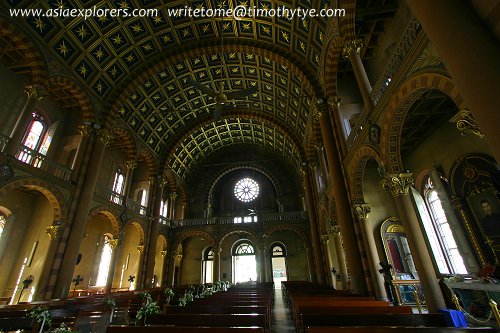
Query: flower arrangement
[[148, 308], [42, 315], [168, 292], [62, 329], [110, 303], [186, 298]]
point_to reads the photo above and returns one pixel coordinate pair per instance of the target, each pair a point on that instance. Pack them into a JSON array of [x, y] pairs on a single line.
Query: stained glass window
[[246, 190]]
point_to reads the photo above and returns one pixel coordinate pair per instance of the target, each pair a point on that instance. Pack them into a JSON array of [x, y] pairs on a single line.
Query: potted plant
[[148, 308], [110, 303], [169, 294], [62, 329], [42, 315]]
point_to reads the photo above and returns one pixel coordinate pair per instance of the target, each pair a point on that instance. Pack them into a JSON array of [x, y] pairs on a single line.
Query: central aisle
[[281, 321]]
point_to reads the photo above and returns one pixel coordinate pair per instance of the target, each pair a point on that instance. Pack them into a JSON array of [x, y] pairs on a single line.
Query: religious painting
[[485, 207]]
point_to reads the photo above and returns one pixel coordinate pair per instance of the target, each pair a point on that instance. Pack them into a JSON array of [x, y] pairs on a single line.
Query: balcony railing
[[278, 217], [39, 161], [4, 140], [107, 194], [136, 207]]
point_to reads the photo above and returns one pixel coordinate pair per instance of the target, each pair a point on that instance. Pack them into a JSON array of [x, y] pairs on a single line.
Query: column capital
[[35, 91], [113, 242], [334, 230], [104, 136], [398, 184], [131, 164], [163, 252], [361, 211], [85, 129], [325, 238], [140, 248], [334, 102], [319, 112], [173, 195], [466, 123], [352, 46]]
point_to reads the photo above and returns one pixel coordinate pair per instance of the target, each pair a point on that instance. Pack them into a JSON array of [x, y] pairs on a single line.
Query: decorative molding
[[398, 184], [113, 242], [466, 123], [361, 211], [85, 129], [334, 102], [132, 164]]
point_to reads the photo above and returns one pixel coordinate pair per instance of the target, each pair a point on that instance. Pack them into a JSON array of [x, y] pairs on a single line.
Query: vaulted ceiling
[[141, 68]]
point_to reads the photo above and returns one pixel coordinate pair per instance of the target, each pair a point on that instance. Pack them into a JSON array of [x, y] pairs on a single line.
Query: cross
[[77, 280]]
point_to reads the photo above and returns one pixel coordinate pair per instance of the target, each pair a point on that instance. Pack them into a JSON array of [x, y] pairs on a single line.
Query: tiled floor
[[281, 321]]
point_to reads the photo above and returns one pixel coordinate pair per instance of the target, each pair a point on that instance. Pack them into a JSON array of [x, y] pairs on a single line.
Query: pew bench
[[394, 329], [181, 329], [212, 320]]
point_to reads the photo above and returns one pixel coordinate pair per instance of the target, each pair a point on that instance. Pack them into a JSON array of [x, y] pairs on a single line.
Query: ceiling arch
[[211, 137]]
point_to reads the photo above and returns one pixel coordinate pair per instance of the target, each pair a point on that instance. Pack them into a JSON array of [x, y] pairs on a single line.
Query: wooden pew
[[182, 329], [410, 320], [393, 329], [212, 320]]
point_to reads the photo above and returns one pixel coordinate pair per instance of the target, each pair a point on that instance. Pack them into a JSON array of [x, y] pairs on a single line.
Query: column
[[362, 211], [141, 280], [335, 231], [171, 268], [342, 202], [115, 245], [400, 187], [467, 47], [131, 165], [310, 261], [263, 262], [216, 268], [313, 225], [77, 231], [85, 130], [171, 206], [150, 255], [326, 254], [35, 93], [352, 51], [322, 162]]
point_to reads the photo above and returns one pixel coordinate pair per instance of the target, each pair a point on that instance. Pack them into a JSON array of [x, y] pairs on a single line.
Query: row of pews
[[316, 309], [239, 309]]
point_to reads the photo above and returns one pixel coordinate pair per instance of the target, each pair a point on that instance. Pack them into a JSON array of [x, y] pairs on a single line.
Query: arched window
[[278, 262], [37, 139], [207, 265], [105, 262], [244, 264], [439, 233], [143, 199], [163, 208], [3, 221], [118, 185]]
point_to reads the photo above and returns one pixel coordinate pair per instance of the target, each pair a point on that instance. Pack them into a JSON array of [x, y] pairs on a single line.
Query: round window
[[246, 189]]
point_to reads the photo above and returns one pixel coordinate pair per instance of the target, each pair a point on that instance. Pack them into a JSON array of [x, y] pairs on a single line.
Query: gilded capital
[[113, 242], [173, 195], [334, 230], [398, 184], [361, 211], [352, 46], [334, 102], [54, 231], [466, 123], [104, 136], [131, 164], [140, 248], [325, 238], [85, 129], [318, 112], [163, 253], [35, 91]]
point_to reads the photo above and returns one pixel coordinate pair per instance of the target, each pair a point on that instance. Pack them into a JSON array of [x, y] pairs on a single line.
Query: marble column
[[216, 268], [470, 51], [342, 202], [131, 165], [337, 238], [330, 279], [171, 207], [400, 187], [35, 93], [155, 221], [115, 244], [310, 262], [313, 225], [352, 51], [79, 223], [362, 211], [85, 131]]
